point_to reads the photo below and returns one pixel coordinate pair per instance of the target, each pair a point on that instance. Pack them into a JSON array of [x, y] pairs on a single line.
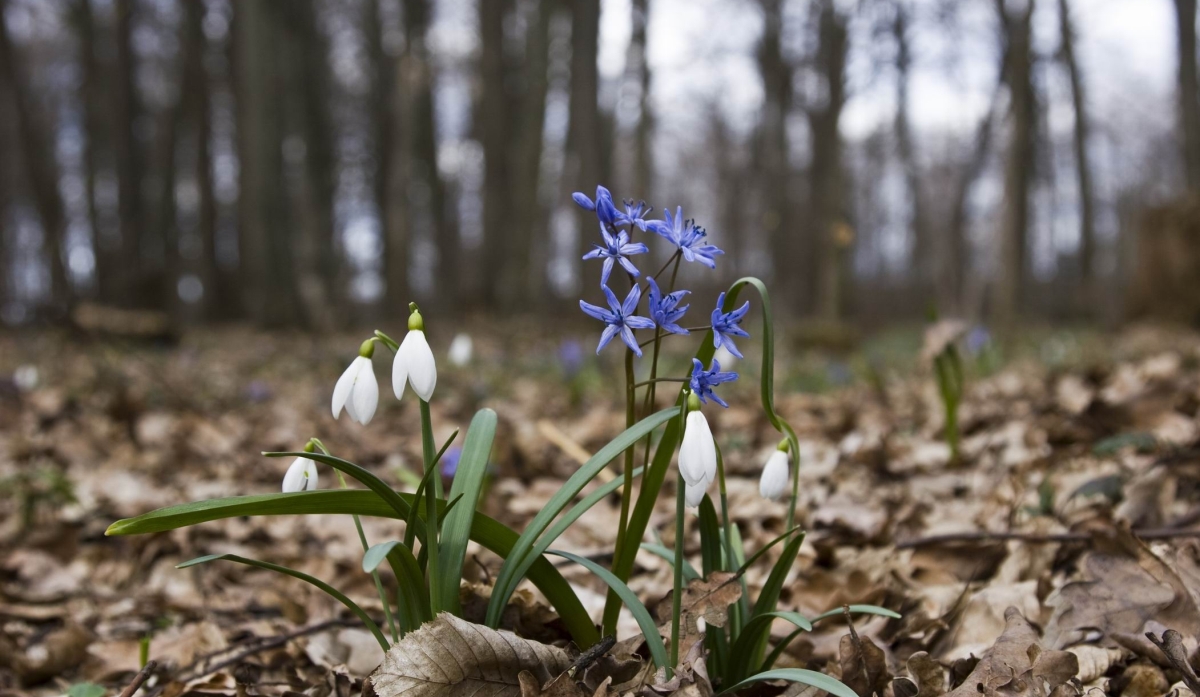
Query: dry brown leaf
[[863, 664], [450, 657], [1094, 661], [1140, 680], [1016, 664], [927, 673], [707, 598]]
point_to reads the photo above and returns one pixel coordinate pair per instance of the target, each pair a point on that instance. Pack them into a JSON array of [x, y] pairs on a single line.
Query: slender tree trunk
[[1189, 90], [922, 248], [787, 246], [1018, 165], [1083, 169], [426, 180], [92, 104], [266, 264], [638, 67], [585, 137], [36, 149], [126, 111], [827, 173], [391, 189], [494, 130]]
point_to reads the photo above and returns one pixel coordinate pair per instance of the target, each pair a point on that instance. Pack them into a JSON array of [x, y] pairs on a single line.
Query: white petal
[[400, 370], [365, 394], [341, 391], [697, 454], [460, 350], [775, 477], [301, 476], [418, 359], [693, 494]]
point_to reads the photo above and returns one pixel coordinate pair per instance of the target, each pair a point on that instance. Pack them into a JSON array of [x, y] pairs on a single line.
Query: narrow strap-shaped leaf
[[763, 550], [468, 480], [558, 528], [769, 661], [414, 596], [859, 610], [491, 534], [410, 530], [364, 476], [312, 580], [654, 642], [689, 571], [800, 675], [752, 647], [758, 631], [506, 580], [710, 538]]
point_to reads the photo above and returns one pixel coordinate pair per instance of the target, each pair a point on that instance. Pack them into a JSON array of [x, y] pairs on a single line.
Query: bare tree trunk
[[1018, 165], [1189, 90], [92, 104], [638, 65], [127, 151], [265, 259], [35, 145], [1083, 168], [391, 156], [827, 173], [493, 124], [585, 137], [922, 249], [770, 162], [422, 133]]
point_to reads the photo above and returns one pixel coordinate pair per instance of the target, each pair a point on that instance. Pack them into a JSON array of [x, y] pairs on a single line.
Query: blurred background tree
[[316, 163]]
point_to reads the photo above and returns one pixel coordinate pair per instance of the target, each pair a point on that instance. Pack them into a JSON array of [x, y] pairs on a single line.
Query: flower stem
[[433, 492], [362, 536], [627, 488], [677, 587]]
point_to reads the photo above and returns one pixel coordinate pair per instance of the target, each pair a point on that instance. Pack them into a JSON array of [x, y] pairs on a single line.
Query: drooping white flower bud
[[693, 494], [698, 452], [357, 389], [414, 362], [301, 476], [775, 475], [461, 349]]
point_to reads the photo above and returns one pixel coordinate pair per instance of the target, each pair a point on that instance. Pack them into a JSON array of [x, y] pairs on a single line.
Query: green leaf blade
[[468, 481]]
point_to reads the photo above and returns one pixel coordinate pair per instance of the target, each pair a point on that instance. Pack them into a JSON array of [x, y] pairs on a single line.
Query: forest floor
[[1069, 444]]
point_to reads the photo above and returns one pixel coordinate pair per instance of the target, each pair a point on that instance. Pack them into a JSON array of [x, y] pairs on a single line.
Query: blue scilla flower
[[616, 248], [604, 207], [704, 380], [665, 310], [635, 214], [619, 318], [686, 235], [727, 324]]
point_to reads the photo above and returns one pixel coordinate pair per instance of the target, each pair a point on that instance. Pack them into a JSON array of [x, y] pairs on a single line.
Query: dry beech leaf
[[450, 657], [927, 673], [707, 598], [1094, 661], [864, 666], [1017, 665]]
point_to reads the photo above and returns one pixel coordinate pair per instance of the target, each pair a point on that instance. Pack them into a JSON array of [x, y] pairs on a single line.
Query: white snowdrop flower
[[25, 377], [357, 389], [698, 452], [414, 362], [693, 494], [723, 356], [301, 476], [775, 475], [701, 625], [461, 350]]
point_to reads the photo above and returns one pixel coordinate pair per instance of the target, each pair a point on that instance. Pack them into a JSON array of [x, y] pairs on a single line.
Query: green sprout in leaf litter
[[433, 527]]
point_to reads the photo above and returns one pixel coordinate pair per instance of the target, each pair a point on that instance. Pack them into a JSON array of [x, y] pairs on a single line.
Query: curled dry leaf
[[707, 598], [1017, 665], [1094, 661], [927, 674], [450, 657], [863, 664]]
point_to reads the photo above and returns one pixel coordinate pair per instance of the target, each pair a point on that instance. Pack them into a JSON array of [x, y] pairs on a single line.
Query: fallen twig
[[257, 646], [141, 677]]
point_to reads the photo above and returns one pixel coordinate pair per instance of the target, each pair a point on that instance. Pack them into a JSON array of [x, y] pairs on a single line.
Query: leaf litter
[[1038, 565]]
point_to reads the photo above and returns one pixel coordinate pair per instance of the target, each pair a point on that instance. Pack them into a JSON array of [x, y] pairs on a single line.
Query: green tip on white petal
[[367, 349]]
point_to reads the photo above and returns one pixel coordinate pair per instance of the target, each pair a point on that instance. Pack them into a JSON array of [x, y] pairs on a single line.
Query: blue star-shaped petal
[[704, 380], [664, 309], [616, 249], [604, 207], [726, 325], [619, 318], [686, 235], [635, 214]]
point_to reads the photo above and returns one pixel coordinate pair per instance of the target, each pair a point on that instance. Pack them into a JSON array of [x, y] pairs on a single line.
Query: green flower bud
[[367, 349]]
